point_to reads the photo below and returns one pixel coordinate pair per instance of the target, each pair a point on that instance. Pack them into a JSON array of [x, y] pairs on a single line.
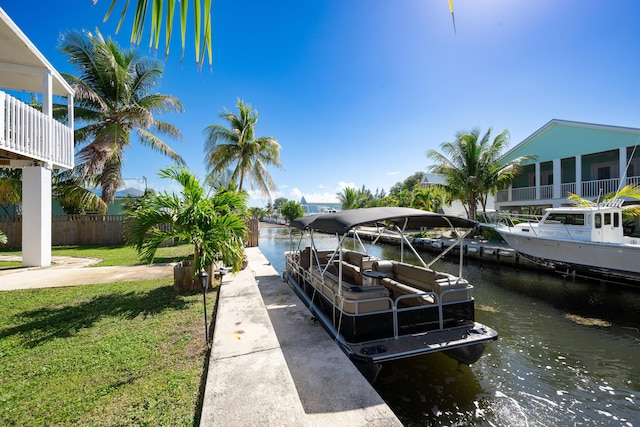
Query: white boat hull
[[609, 258]]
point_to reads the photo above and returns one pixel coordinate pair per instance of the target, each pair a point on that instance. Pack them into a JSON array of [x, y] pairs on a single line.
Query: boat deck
[[412, 345]]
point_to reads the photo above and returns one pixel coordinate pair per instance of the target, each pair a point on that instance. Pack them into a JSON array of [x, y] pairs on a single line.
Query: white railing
[[546, 191], [633, 180], [600, 187], [567, 188], [523, 193], [590, 189], [502, 196], [26, 131]]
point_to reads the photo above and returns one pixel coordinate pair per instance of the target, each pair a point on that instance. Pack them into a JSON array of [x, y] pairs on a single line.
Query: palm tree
[[113, 98], [238, 149], [350, 198], [430, 199], [10, 188], [472, 167], [212, 224]]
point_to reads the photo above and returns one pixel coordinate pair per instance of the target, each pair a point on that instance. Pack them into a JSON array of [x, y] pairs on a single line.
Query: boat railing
[[509, 219], [324, 285]]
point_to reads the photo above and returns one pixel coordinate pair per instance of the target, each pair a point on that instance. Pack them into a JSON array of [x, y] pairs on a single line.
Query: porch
[[26, 134], [589, 176], [31, 139]]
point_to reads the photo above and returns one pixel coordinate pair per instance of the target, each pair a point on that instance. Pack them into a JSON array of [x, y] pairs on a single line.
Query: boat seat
[[352, 293], [449, 287]]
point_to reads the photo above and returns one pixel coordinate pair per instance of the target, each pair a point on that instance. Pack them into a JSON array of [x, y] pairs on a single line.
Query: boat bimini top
[[404, 218]]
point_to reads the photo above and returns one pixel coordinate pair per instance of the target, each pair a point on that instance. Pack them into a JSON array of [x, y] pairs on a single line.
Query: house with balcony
[[31, 139], [586, 159]]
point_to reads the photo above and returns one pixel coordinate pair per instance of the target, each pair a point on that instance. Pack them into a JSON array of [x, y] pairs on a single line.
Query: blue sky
[[356, 91]]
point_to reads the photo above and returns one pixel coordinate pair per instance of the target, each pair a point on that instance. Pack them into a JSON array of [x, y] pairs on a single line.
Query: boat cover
[[342, 222]]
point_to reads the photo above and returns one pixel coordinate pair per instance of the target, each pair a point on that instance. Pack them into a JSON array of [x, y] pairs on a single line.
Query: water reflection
[[545, 369]]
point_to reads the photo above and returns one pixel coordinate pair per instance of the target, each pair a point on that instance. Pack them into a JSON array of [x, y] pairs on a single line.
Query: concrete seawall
[[272, 365]]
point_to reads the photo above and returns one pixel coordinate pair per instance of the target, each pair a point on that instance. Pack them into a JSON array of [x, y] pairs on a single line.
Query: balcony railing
[[27, 132], [590, 189], [600, 187]]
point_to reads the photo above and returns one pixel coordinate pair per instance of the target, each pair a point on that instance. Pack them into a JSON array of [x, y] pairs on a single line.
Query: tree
[[213, 225], [10, 188], [430, 199], [113, 98], [408, 184], [237, 148], [278, 203], [351, 198], [472, 167], [291, 210], [202, 24]]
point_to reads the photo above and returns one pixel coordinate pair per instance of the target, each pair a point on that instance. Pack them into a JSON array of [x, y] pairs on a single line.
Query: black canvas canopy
[[342, 222]]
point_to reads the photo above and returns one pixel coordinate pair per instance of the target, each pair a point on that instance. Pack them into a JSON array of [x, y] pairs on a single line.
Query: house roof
[[574, 139], [21, 63], [434, 178]]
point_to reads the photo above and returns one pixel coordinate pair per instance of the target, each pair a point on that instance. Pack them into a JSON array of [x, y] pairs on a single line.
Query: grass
[[114, 354], [113, 254]]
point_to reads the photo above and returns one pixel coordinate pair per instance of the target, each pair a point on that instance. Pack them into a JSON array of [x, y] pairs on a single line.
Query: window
[[607, 219], [598, 220], [604, 173], [616, 219], [565, 218]]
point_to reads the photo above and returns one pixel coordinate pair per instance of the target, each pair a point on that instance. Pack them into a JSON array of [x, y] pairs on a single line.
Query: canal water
[[568, 353]]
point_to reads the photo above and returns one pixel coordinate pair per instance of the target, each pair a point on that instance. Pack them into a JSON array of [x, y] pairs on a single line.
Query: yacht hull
[[602, 258]]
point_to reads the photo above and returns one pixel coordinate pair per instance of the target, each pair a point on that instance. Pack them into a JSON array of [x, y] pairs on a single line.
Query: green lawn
[[114, 254], [114, 354]]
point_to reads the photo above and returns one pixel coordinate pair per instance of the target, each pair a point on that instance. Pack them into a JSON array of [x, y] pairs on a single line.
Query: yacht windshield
[[565, 218]]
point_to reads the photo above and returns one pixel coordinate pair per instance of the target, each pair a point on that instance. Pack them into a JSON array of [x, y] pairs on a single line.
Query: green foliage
[[3, 238], [472, 167], [237, 148], [490, 234], [277, 204], [351, 198], [291, 210], [630, 191], [432, 198], [115, 354], [161, 19], [214, 225], [113, 98], [10, 188], [408, 184], [75, 199]]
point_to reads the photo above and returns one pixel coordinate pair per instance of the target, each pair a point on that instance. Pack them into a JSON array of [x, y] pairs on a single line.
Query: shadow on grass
[[47, 323]]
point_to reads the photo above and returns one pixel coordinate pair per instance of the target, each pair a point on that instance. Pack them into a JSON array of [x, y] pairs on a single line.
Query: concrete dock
[[272, 365]]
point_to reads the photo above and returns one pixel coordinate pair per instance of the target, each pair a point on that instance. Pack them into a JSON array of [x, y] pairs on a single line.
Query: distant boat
[[589, 239], [379, 310]]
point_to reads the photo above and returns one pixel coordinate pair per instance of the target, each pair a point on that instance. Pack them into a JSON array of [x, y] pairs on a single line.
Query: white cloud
[[342, 185], [392, 173]]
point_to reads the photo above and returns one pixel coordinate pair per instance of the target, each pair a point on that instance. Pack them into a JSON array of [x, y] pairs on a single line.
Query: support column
[[579, 175], [537, 172], [36, 216], [623, 167], [557, 179]]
